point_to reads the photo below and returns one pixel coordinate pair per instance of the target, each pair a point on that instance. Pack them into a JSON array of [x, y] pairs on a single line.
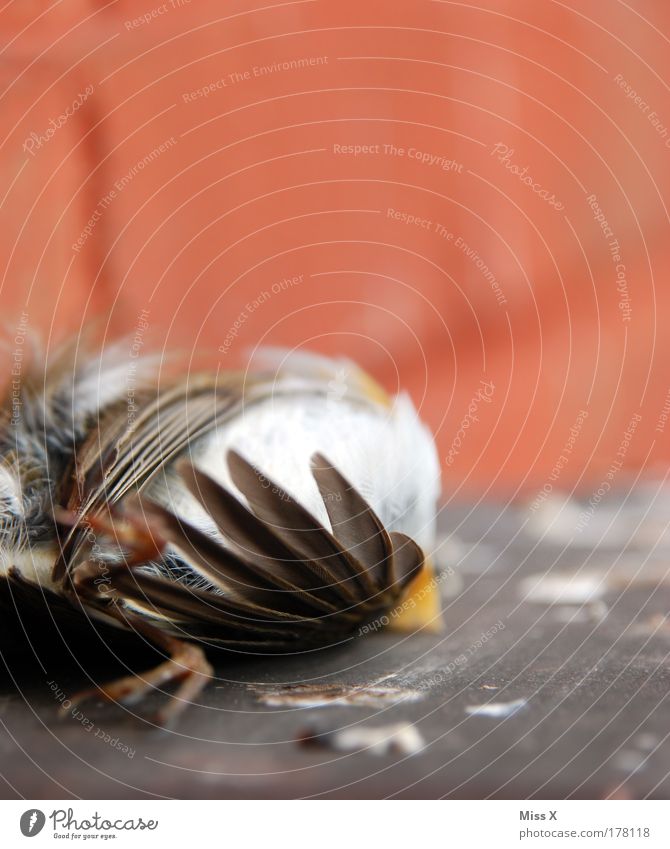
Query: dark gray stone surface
[[580, 661]]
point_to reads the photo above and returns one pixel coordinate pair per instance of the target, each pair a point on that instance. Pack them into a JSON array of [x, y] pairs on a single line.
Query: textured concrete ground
[[550, 681]]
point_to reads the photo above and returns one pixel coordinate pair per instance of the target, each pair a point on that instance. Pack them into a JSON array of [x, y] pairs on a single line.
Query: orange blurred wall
[[415, 184]]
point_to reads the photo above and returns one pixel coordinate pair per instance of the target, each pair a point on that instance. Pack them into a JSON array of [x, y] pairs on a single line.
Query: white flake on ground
[[646, 741], [402, 738], [496, 710], [628, 760], [561, 519], [562, 588]]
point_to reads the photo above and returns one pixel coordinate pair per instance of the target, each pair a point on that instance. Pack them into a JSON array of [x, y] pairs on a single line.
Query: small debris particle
[[656, 625], [562, 588], [325, 695], [628, 760], [496, 710], [646, 741], [401, 738], [619, 793]]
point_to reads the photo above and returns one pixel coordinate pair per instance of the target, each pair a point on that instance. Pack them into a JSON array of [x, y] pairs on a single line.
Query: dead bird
[[274, 509]]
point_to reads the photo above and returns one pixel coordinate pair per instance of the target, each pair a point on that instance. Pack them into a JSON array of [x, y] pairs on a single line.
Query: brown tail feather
[[282, 581], [354, 523]]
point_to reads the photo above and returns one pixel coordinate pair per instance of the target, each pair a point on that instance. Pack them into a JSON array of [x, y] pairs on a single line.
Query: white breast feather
[[386, 453]]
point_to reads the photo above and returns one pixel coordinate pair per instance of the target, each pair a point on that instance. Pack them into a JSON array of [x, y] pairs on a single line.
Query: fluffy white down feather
[[386, 453], [383, 450]]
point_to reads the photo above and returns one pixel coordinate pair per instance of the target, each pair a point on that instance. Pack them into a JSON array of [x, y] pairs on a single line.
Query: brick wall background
[[206, 161]]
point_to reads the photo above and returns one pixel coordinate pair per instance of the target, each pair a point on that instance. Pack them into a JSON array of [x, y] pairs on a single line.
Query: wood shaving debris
[[325, 695]]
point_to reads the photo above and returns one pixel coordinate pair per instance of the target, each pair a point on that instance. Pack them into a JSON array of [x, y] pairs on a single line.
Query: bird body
[[378, 443], [269, 510]]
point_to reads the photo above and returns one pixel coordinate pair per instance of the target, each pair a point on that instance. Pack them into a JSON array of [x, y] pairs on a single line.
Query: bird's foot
[[187, 665]]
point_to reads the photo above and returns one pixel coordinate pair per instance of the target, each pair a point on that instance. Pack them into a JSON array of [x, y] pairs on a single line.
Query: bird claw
[[187, 664]]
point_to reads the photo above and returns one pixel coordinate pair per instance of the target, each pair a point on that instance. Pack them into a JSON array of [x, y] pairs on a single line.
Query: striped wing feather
[[281, 579], [122, 455]]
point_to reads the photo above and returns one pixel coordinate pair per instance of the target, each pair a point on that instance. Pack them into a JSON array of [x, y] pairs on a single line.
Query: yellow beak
[[420, 609]]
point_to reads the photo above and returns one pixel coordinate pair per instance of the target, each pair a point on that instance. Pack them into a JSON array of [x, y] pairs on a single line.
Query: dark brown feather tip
[[272, 575]]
